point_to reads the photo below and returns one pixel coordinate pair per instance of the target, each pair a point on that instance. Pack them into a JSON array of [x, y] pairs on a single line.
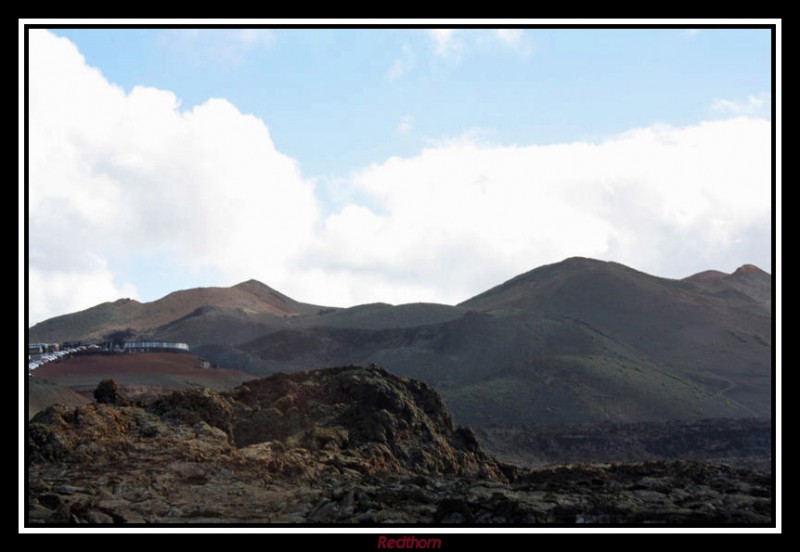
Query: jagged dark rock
[[341, 445], [107, 392]]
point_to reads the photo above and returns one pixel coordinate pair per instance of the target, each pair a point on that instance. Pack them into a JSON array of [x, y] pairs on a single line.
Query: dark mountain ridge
[[572, 342]]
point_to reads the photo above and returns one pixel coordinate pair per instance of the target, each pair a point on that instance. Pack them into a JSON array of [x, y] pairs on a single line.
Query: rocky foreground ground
[[345, 445]]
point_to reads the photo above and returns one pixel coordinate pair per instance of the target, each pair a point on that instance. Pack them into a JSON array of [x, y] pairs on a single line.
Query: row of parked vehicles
[[56, 355]]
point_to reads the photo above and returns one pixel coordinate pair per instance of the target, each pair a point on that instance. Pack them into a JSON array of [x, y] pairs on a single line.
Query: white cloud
[[757, 104], [447, 43], [406, 125], [68, 290], [255, 36], [452, 44], [222, 45], [401, 65], [461, 217], [116, 175], [514, 39]]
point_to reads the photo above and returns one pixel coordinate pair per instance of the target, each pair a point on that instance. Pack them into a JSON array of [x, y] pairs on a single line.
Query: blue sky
[[329, 100], [343, 166]]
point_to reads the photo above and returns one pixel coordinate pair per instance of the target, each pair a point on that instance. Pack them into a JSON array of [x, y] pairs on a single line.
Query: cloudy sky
[[344, 166]]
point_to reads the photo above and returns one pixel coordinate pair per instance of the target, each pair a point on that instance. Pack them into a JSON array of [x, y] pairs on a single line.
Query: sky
[[347, 166]]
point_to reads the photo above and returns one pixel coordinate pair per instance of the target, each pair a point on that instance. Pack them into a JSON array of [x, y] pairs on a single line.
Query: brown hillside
[[43, 393], [251, 298], [145, 373], [748, 287], [706, 276]]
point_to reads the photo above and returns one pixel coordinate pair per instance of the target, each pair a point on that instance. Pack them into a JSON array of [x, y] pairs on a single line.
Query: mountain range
[[572, 342]]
